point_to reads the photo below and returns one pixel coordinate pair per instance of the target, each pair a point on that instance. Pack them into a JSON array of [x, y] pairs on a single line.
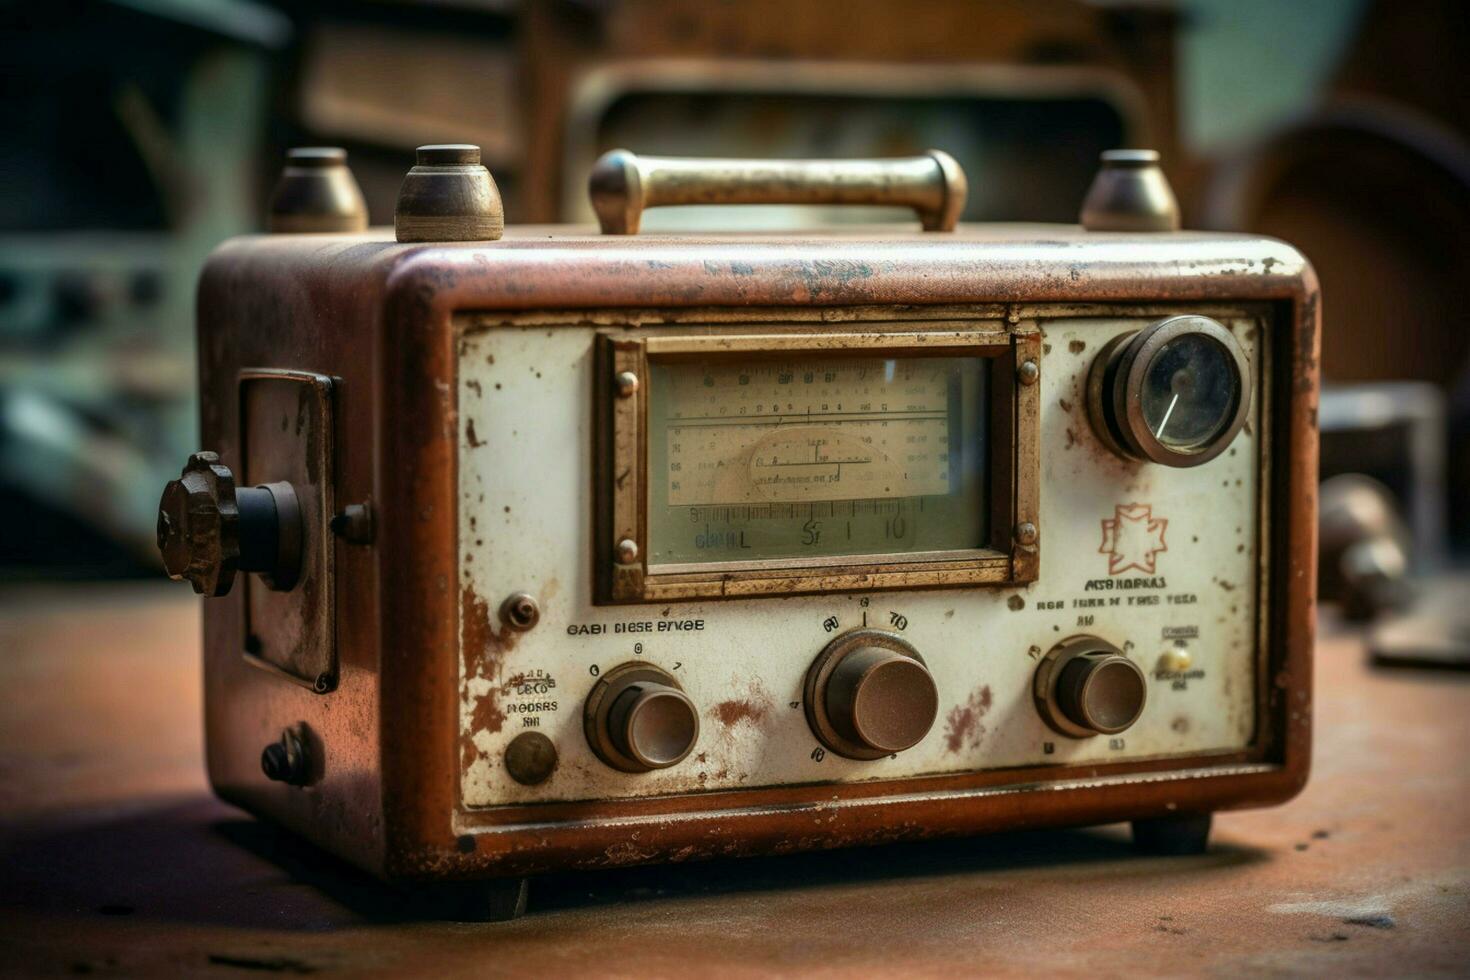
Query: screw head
[[1028, 373], [1026, 533], [627, 383], [286, 761], [520, 611], [627, 551]]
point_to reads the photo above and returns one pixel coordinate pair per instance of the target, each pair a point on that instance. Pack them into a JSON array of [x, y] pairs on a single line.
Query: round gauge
[[1175, 392]]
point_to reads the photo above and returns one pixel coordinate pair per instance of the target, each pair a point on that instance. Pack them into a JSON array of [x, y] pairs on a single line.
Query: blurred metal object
[[448, 197], [1379, 196], [1395, 433], [623, 185], [1433, 632], [1363, 546], [1130, 193], [1377, 192], [317, 193]]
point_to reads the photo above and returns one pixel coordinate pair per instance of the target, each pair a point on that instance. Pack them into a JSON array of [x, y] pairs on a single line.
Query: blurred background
[[138, 134]]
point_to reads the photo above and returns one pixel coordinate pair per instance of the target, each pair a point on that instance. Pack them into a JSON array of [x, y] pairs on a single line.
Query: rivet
[[627, 383], [627, 551], [1028, 372], [520, 611], [1026, 533], [530, 758], [354, 524]]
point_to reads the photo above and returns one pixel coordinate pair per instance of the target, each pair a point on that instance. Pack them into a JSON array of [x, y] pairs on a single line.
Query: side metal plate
[[286, 434]]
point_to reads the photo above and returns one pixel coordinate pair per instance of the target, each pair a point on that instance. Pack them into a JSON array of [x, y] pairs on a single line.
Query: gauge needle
[[1168, 412]]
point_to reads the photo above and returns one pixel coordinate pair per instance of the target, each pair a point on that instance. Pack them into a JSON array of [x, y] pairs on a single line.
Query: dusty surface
[[114, 858]]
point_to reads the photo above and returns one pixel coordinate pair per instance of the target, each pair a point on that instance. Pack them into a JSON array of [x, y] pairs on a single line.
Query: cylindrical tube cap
[[448, 197], [317, 194], [1130, 193]]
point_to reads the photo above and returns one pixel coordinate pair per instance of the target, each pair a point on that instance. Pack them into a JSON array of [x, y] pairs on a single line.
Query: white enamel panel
[[1162, 560]]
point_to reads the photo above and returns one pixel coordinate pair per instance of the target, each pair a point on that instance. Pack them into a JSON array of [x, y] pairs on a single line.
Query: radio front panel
[[716, 514]]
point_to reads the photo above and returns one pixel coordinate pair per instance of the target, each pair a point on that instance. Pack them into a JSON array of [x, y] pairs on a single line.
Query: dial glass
[[814, 457], [1190, 392]]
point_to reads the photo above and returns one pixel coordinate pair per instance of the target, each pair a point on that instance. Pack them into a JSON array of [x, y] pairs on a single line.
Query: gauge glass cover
[[1190, 392]]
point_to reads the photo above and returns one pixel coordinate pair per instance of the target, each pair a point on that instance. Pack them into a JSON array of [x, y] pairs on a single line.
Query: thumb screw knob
[[199, 526]]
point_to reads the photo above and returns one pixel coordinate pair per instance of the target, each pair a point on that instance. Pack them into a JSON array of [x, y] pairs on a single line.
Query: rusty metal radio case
[[559, 548]]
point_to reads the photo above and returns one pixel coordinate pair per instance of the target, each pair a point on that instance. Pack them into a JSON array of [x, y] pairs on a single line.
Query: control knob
[[208, 528], [638, 718], [869, 694], [1085, 686]]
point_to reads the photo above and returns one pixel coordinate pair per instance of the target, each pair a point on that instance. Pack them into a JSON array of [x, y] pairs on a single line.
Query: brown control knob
[[199, 526], [1085, 686], [654, 724], [208, 529], [638, 718], [869, 694]]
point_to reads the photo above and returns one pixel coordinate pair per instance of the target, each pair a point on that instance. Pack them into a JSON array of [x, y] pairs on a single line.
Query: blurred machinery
[[132, 134], [1026, 93], [143, 128], [146, 131], [1374, 186]]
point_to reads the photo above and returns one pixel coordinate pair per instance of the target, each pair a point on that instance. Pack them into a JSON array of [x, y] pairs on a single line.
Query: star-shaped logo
[[1132, 537]]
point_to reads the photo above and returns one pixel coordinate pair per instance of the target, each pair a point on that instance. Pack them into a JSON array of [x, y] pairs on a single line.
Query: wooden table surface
[[115, 858]]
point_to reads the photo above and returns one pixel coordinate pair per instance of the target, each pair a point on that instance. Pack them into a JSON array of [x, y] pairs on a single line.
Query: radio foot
[[1188, 834], [500, 900]]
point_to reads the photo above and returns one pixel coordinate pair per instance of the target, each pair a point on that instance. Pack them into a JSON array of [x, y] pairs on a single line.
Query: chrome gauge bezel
[[1115, 391]]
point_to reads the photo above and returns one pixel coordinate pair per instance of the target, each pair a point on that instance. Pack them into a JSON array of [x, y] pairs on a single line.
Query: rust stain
[[740, 709], [962, 729], [754, 708], [1077, 346], [1066, 405], [487, 715], [469, 433], [483, 651]]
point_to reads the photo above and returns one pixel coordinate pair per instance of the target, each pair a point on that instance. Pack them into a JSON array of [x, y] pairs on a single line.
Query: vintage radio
[[575, 550]]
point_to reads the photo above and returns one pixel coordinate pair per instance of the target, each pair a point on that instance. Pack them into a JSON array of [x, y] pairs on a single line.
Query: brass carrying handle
[[623, 185]]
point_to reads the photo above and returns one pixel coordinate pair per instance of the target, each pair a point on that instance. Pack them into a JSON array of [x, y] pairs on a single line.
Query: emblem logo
[[1132, 537]]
